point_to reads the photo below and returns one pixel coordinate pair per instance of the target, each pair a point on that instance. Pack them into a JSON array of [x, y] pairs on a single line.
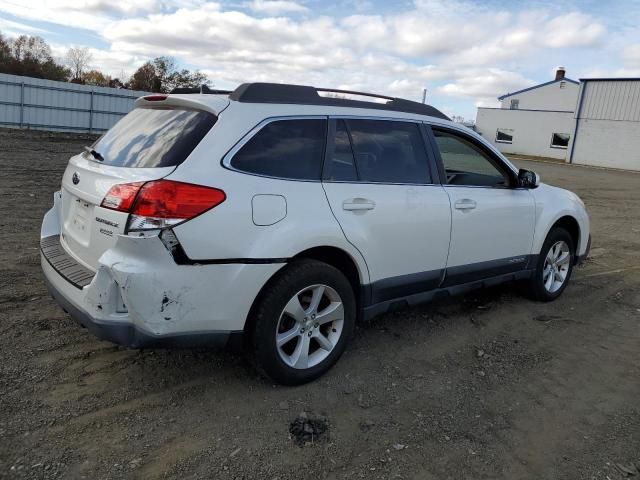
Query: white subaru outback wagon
[[278, 215]]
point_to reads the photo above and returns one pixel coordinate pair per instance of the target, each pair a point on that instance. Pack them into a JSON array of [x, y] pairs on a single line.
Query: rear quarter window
[[290, 149], [154, 137]]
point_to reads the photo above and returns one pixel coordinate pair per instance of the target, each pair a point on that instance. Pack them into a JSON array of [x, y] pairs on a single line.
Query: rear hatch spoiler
[[210, 103]]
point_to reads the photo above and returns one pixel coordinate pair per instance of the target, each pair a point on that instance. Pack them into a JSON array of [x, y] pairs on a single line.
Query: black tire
[[265, 320], [537, 289]]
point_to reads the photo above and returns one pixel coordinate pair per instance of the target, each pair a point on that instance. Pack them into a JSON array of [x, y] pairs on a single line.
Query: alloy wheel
[[310, 326], [556, 266]]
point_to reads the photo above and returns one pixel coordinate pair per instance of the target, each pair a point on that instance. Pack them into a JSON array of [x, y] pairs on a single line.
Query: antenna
[[424, 95]]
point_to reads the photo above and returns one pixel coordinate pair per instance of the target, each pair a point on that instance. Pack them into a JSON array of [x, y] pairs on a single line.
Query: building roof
[[611, 79], [538, 86]]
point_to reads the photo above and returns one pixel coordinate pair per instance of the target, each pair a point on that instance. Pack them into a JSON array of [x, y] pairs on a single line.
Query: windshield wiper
[[95, 154]]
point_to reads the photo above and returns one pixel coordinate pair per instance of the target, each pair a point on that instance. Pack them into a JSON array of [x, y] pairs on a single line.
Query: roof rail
[[353, 92], [306, 95], [200, 89]]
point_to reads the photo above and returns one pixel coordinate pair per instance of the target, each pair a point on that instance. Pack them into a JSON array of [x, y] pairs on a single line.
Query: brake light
[[169, 199], [121, 197], [155, 98], [161, 203]]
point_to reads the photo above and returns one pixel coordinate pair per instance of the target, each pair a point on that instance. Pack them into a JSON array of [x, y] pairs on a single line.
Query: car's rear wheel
[[302, 322], [554, 267]]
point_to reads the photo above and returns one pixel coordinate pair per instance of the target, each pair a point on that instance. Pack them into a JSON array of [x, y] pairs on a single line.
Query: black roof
[[306, 95]]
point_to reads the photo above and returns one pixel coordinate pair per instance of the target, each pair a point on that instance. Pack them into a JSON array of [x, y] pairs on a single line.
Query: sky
[[464, 52]]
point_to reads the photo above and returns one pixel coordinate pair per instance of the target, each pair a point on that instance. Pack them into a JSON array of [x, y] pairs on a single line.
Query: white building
[[536, 121], [592, 122], [607, 124]]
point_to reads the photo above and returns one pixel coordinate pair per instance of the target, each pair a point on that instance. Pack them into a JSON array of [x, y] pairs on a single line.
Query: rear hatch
[[147, 144]]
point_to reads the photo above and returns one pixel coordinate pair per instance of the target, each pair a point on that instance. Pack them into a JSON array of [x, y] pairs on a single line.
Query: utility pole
[[424, 95]]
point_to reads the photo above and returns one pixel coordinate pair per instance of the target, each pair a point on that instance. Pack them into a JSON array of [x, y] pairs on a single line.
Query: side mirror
[[528, 179]]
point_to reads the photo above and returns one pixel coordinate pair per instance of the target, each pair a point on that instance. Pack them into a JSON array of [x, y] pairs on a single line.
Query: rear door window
[[382, 151], [290, 149], [341, 165], [154, 137]]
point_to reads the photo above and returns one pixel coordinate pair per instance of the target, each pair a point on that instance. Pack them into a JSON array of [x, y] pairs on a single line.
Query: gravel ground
[[489, 385]]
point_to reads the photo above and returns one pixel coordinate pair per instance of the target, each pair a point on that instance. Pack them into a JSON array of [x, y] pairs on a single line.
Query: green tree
[[116, 83], [186, 78], [97, 78], [164, 68], [162, 75], [145, 78], [5, 50], [30, 56]]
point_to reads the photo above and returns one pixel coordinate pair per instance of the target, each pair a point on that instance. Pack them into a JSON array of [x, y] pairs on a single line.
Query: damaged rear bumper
[[129, 335], [140, 297]]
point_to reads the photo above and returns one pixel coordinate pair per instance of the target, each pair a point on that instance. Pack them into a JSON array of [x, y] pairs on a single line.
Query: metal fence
[[27, 102]]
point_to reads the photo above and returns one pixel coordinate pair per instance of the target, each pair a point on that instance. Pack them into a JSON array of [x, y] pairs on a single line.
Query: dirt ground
[[490, 385]]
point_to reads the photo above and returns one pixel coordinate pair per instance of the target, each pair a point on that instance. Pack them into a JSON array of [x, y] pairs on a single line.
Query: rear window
[[158, 137], [285, 149]]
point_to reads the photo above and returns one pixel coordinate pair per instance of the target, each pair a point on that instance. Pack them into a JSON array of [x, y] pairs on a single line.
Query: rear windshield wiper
[[95, 154]]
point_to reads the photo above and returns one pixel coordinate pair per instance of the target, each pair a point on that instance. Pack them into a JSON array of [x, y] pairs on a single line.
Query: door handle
[[358, 204], [465, 204]]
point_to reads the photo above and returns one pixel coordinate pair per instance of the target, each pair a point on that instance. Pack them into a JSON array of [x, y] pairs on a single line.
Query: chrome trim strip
[[366, 117]]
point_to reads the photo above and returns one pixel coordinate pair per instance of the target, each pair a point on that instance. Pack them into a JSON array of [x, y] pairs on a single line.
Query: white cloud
[[574, 29], [127, 7], [276, 7], [631, 56], [111, 62], [460, 50], [624, 72], [485, 83], [87, 14]]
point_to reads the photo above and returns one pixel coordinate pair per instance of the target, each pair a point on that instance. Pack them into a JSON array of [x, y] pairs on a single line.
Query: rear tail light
[[161, 203], [121, 197], [155, 98]]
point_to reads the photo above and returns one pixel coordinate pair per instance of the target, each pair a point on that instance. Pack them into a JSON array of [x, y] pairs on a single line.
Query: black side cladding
[[307, 95]]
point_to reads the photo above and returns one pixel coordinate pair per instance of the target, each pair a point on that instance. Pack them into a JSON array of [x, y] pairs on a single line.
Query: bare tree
[[78, 59], [31, 48]]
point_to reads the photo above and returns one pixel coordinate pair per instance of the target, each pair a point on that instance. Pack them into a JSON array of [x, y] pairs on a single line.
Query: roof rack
[[306, 95], [200, 89]]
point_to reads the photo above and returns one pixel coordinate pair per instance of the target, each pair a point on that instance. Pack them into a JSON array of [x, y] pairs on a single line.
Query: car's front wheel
[[554, 267], [302, 322]]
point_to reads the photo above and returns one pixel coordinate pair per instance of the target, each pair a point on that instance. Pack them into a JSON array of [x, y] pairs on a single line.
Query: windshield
[[154, 137]]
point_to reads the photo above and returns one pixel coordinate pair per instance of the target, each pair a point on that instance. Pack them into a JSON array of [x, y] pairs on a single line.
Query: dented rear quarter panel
[[164, 298]]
